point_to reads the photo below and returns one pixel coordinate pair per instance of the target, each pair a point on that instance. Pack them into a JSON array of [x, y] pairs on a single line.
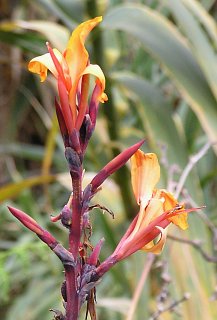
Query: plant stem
[[75, 231], [72, 309], [71, 273]]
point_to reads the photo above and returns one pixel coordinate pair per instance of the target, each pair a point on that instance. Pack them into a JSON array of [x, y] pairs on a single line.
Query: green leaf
[[201, 46], [208, 4], [156, 114], [13, 189], [53, 32], [27, 151], [204, 17], [75, 9], [29, 42], [163, 41], [56, 9]]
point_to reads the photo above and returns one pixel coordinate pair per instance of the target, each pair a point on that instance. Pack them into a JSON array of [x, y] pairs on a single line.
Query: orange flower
[[145, 174], [158, 208], [72, 69]]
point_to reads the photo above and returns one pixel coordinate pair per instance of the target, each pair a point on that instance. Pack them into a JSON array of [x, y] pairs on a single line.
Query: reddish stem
[[72, 308], [75, 231]]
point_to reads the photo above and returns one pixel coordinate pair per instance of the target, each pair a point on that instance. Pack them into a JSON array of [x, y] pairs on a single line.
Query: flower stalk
[[77, 109]]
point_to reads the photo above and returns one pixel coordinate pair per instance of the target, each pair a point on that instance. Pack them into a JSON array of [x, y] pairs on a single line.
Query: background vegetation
[[159, 58]]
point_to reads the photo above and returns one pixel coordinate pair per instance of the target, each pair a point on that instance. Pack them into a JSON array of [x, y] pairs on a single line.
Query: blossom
[[158, 208], [72, 69]]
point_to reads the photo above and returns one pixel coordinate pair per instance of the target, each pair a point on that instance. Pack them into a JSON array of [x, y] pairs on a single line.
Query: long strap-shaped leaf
[[204, 18], [163, 41], [156, 115], [202, 48]]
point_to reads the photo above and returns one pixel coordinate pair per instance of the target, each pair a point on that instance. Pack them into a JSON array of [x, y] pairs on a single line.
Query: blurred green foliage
[[159, 58]]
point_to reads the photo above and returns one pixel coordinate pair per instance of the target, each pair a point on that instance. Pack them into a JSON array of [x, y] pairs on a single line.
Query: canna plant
[[76, 109]]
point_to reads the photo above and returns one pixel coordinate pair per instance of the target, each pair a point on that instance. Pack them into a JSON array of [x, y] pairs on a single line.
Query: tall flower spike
[[68, 68]]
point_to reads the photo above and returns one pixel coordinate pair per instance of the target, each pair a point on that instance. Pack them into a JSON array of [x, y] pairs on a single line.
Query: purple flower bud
[[73, 160], [66, 216], [86, 131]]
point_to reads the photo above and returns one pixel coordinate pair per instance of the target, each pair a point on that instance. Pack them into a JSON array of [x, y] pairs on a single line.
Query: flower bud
[[114, 165], [73, 160], [32, 225]]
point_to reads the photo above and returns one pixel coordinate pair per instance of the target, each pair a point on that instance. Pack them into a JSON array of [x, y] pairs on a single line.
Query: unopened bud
[[93, 259], [32, 225], [73, 160], [26, 220], [66, 217], [114, 165], [86, 131]]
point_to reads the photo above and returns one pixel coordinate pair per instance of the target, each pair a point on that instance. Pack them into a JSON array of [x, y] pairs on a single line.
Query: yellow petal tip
[[180, 220], [38, 68]]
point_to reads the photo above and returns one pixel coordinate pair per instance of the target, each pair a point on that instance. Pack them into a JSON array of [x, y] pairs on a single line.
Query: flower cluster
[[158, 209], [72, 70]]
